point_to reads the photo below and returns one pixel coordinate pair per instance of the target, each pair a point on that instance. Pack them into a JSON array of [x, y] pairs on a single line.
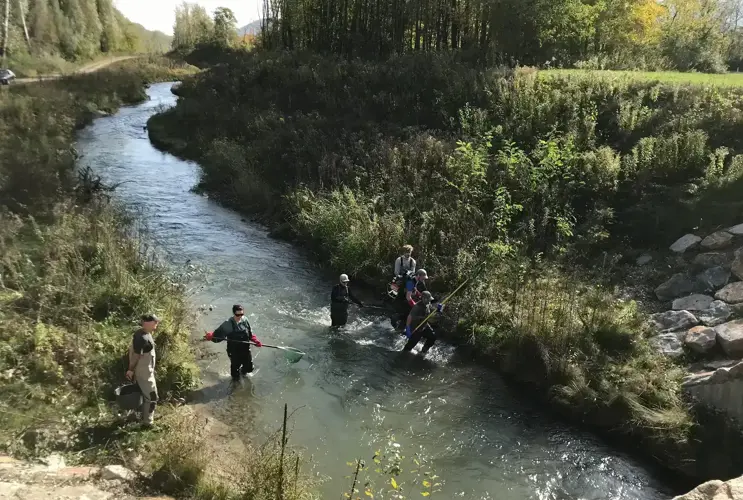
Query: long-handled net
[[291, 354]]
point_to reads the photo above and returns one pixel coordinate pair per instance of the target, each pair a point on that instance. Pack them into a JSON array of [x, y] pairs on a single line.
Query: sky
[[160, 14]]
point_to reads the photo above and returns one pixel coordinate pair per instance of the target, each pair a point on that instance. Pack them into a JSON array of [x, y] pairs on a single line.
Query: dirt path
[[88, 68]]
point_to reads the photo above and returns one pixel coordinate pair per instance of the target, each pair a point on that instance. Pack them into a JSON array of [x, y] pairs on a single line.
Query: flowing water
[[353, 389]]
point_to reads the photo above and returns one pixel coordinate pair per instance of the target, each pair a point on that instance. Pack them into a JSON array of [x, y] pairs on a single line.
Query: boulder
[[732, 293], [678, 285], [730, 337], [668, 344], [712, 259], [737, 266], [644, 259], [713, 279], [694, 302], [117, 473], [736, 230], [717, 240], [716, 490], [717, 313], [671, 321], [701, 339], [685, 243]]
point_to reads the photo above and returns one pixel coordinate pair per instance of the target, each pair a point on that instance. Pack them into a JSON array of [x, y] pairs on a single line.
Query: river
[[353, 389]]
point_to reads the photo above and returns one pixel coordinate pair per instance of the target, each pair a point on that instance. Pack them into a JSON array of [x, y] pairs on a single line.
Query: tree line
[[73, 29], [701, 35], [194, 26]]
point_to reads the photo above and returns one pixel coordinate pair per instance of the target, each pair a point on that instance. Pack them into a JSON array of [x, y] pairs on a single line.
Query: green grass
[[669, 77]]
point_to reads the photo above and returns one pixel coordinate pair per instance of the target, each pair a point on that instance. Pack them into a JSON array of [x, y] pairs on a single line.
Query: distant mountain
[[253, 28]]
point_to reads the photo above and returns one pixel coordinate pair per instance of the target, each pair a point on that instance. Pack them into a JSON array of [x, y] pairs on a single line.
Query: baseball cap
[[344, 278], [146, 318], [422, 273]]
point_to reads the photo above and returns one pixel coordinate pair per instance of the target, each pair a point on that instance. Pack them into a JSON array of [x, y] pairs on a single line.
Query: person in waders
[[340, 298], [414, 331], [405, 263], [414, 287], [238, 334], [142, 365]]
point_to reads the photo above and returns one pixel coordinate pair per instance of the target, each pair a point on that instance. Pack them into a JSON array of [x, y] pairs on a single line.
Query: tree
[[225, 26], [693, 37], [192, 26]]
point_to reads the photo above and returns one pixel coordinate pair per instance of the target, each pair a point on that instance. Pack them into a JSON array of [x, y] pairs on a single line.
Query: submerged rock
[[701, 339], [694, 302], [717, 313], [732, 293], [685, 243], [717, 240], [730, 337]]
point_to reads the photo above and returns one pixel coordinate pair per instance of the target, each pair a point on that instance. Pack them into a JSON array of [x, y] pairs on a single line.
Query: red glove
[[256, 341], [209, 336]]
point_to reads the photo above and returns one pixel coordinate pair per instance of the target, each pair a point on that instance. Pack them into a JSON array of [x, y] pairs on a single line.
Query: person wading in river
[[238, 334], [414, 287], [340, 298], [142, 365], [414, 331], [405, 263]]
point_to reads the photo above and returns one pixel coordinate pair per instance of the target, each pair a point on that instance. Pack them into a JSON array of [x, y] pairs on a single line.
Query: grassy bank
[[562, 181], [667, 77]]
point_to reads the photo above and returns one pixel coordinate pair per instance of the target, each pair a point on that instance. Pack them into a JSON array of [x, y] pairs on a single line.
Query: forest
[[42, 36]]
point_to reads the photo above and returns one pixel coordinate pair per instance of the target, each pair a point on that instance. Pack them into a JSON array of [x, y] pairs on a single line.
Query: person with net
[[238, 334], [416, 329]]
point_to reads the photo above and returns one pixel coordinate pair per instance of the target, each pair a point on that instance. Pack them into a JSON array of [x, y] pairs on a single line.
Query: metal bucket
[[129, 397]]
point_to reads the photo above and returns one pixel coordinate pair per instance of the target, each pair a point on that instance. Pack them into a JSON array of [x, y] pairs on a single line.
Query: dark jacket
[[233, 330], [341, 296]]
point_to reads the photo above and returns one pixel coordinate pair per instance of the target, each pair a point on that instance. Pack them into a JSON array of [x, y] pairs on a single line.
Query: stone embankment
[[704, 320], [53, 480]]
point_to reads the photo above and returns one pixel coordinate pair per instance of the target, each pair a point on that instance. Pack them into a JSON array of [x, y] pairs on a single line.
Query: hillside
[[252, 28], [48, 36]]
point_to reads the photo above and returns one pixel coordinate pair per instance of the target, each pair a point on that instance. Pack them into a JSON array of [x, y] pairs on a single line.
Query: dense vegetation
[[559, 179], [46, 36]]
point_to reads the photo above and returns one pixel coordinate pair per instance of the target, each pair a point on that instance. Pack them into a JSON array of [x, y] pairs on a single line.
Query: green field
[[721, 80]]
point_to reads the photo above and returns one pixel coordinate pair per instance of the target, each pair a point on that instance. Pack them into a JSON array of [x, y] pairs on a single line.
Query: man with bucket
[[142, 365]]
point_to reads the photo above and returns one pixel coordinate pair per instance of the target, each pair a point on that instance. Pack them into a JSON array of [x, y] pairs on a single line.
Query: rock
[[668, 344], [736, 230], [730, 337], [671, 321], [720, 363], [717, 240], [736, 310], [712, 259], [732, 293], [644, 259], [54, 462], [694, 302], [685, 243], [716, 490], [700, 339], [117, 473], [678, 285], [713, 279], [737, 266], [717, 313]]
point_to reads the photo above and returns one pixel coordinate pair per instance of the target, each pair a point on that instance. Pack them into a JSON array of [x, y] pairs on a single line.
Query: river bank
[[329, 150], [77, 270]]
